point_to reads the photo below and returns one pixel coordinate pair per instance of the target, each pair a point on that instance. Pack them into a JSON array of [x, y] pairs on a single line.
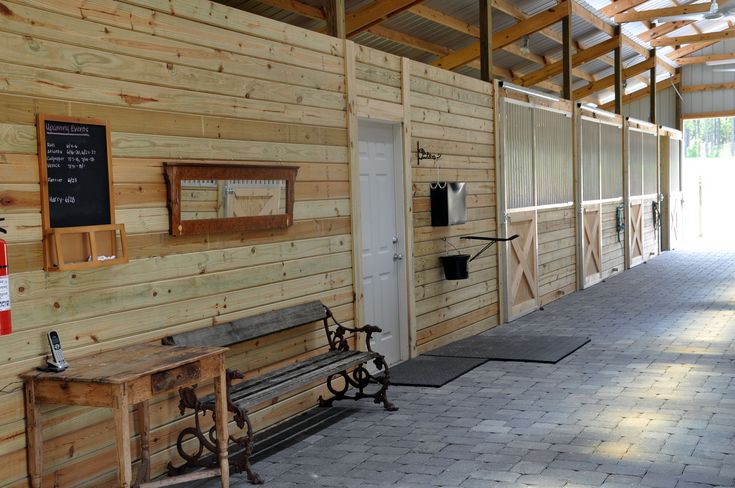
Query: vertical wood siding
[[453, 116]]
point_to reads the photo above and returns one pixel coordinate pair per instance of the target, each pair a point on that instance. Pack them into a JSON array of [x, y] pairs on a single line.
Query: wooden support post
[[144, 429], [335, 12], [220, 405], [677, 101], [619, 91], [567, 91], [34, 431], [652, 116], [122, 437], [486, 40]]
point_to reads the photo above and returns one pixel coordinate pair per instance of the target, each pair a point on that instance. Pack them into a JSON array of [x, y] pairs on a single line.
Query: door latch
[[397, 257]]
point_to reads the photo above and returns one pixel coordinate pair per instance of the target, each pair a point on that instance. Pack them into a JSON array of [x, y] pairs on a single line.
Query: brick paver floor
[[649, 402]]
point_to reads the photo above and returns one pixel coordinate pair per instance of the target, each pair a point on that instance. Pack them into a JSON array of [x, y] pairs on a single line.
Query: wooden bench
[[343, 368]]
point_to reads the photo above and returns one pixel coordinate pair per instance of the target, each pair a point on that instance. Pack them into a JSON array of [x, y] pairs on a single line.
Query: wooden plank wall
[[557, 253], [187, 79], [453, 116], [204, 84], [613, 251]]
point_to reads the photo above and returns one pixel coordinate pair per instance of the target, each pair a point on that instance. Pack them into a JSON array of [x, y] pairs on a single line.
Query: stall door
[[382, 237], [671, 225], [592, 245], [636, 233], [521, 280]]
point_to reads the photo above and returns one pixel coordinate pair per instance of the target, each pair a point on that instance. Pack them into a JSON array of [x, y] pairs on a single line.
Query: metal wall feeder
[[455, 265], [448, 203]]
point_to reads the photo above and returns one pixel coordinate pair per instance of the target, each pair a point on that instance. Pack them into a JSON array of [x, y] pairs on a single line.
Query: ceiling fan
[[716, 11]]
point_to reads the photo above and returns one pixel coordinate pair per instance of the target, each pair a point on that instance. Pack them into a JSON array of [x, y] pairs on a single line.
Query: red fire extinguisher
[[6, 326]]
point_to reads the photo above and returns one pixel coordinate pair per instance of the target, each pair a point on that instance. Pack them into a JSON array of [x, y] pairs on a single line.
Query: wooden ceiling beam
[[581, 57], [376, 13], [708, 87], [507, 36], [643, 92], [609, 81], [509, 9], [680, 40], [663, 29], [657, 13], [590, 17], [409, 40], [687, 50], [618, 6], [297, 7], [703, 59]]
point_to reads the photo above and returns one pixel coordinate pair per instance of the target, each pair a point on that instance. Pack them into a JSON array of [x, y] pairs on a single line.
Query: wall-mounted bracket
[[422, 154], [492, 240]]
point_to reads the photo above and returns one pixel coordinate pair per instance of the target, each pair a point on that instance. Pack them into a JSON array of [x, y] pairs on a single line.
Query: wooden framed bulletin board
[[77, 204]]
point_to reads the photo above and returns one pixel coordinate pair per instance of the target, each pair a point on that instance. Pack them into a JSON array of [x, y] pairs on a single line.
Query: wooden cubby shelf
[[94, 246]]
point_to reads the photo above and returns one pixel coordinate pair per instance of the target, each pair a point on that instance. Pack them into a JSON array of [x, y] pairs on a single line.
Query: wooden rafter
[[590, 17], [663, 29], [618, 6], [649, 15], [507, 36], [643, 92], [460, 26], [609, 81], [706, 37], [703, 59], [297, 7], [581, 57], [376, 13], [708, 87]]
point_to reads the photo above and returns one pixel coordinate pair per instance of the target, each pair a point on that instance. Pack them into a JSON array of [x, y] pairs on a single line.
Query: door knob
[[397, 257]]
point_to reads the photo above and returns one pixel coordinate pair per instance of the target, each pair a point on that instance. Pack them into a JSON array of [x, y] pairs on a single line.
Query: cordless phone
[[58, 364]]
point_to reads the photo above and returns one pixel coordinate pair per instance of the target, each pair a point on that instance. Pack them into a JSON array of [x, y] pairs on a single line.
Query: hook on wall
[[422, 153]]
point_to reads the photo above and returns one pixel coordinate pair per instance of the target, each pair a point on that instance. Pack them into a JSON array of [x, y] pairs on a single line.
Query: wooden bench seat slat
[[289, 371], [247, 328], [250, 397]]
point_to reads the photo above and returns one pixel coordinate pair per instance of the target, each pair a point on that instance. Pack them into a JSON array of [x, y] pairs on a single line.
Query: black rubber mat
[[431, 371], [527, 348]]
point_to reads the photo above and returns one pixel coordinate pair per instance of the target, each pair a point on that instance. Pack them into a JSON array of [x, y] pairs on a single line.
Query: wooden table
[[120, 378]]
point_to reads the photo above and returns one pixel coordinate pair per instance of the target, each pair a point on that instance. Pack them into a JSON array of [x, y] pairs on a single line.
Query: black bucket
[[455, 266]]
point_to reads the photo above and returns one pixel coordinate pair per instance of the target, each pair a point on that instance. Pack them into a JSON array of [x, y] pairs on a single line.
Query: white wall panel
[[666, 108], [701, 74]]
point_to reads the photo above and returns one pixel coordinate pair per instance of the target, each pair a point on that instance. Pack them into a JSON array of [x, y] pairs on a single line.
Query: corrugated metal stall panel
[[557, 249], [650, 164], [701, 74], [553, 156], [635, 162], [590, 160], [518, 155], [611, 156], [675, 165], [665, 108]]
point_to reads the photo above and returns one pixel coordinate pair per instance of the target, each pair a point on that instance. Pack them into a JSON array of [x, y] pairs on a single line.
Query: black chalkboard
[[76, 164]]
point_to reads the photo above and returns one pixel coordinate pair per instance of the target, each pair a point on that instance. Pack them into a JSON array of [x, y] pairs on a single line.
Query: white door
[[383, 248]]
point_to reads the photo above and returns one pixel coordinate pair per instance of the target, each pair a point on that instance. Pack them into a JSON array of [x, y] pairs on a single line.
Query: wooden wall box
[[73, 248], [204, 198]]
